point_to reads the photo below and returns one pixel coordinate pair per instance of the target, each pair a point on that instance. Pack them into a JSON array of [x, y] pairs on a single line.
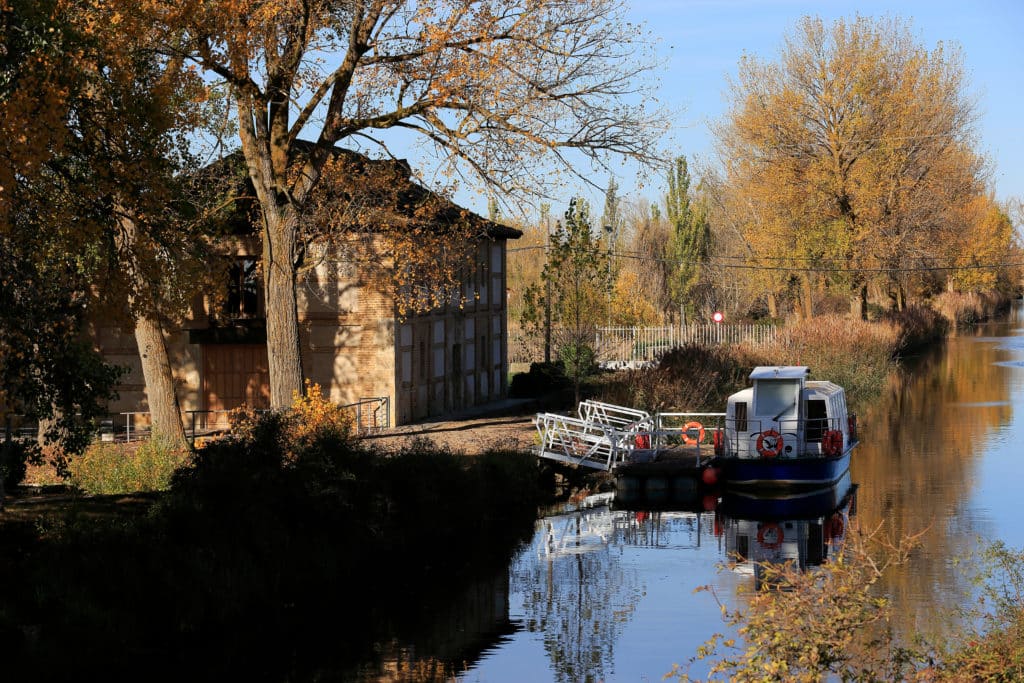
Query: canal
[[606, 594]]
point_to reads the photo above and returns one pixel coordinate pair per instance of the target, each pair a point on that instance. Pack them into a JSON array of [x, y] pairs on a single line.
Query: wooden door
[[235, 375]]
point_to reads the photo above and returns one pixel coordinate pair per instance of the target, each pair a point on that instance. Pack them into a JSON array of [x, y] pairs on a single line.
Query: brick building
[[355, 344]]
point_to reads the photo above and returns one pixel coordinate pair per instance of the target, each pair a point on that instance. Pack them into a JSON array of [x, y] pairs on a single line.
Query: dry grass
[[967, 308], [854, 354]]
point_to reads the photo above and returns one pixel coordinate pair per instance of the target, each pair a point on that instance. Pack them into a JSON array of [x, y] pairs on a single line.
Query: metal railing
[[631, 346], [638, 344], [369, 415]]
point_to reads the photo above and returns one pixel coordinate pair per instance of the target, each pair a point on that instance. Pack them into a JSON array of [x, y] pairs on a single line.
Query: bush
[[543, 378], [968, 308], [107, 468], [691, 377], [579, 359], [14, 457], [918, 327]]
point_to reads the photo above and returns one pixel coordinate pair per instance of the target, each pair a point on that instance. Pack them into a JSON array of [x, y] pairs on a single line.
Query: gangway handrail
[[610, 414]]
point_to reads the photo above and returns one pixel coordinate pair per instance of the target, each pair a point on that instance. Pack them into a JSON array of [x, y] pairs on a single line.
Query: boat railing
[[805, 435], [687, 428]]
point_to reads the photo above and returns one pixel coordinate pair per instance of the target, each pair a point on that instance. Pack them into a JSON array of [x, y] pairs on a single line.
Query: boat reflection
[[802, 529]]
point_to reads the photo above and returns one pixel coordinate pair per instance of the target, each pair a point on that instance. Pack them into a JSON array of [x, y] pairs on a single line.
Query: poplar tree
[[690, 240], [573, 290]]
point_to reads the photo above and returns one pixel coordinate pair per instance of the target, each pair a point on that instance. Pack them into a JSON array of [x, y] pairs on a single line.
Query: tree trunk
[[807, 297], [773, 306], [164, 409], [283, 346], [859, 303]]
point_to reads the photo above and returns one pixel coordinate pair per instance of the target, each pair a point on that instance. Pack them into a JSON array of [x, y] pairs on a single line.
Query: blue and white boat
[[785, 431]]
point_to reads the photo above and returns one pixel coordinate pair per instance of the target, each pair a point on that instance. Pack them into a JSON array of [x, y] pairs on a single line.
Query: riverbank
[[291, 547]]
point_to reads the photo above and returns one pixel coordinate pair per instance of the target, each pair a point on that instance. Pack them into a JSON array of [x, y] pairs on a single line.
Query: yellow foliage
[[315, 415]]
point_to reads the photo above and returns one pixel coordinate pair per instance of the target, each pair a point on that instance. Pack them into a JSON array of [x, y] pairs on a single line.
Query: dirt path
[[471, 436]]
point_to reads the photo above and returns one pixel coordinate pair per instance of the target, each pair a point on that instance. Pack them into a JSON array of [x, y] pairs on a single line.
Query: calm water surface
[[605, 594]]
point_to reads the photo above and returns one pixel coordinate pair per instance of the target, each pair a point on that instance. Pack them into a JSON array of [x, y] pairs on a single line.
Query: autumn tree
[[111, 180], [573, 291], [640, 290], [493, 88], [852, 151], [48, 371]]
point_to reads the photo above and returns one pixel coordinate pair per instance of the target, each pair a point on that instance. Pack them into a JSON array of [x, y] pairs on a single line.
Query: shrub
[[311, 417], [968, 308], [543, 378], [14, 458], [918, 326], [107, 468], [579, 359], [691, 377], [818, 625]]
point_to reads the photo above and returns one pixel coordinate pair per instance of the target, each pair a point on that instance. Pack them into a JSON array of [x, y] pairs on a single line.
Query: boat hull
[[809, 503], [783, 473]]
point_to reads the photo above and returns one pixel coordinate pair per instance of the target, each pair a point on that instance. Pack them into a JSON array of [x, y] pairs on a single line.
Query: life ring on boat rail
[[693, 427], [769, 443], [718, 440], [832, 442], [642, 440], [770, 535]]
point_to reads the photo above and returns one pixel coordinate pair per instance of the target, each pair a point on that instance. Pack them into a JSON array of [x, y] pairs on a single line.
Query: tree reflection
[[576, 591], [920, 449]]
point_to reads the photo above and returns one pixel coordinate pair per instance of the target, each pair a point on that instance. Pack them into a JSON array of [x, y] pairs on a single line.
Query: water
[[604, 594]]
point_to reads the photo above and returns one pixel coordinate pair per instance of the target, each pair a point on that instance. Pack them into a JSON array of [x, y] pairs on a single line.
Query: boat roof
[[780, 372]]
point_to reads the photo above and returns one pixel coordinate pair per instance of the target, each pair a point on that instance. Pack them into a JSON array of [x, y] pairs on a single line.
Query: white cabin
[[783, 400]]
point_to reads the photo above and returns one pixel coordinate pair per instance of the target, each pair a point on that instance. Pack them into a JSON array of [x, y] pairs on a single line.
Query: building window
[[243, 299]]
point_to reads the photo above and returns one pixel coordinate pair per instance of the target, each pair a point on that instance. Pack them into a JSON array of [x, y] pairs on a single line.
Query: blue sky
[[703, 40]]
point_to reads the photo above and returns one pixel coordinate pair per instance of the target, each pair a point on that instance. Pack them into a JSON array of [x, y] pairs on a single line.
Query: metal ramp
[[602, 437]]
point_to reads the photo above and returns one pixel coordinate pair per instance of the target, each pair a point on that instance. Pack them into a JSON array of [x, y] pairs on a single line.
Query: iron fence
[[627, 346]]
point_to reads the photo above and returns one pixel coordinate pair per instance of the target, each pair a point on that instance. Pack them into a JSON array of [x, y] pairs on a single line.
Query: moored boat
[[785, 431]]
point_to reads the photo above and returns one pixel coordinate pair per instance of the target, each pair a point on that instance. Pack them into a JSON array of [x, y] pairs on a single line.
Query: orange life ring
[[769, 451], [718, 439], [832, 442], [642, 440], [776, 530], [693, 426]]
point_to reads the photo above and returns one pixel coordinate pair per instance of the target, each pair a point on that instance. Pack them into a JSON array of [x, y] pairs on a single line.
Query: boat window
[[817, 419], [775, 398], [741, 416]]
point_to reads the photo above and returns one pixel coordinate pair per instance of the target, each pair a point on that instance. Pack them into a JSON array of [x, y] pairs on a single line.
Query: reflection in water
[[608, 594], [576, 594], [919, 457], [802, 529]]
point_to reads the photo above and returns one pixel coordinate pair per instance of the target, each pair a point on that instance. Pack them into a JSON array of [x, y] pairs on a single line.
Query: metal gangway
[[601, 437], [604, 436]]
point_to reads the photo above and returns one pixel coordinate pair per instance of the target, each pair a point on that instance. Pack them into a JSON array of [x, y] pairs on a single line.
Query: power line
[[717, 261]]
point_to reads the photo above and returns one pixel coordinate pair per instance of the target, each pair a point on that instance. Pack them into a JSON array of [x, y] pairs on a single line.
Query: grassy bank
[[299, 545]]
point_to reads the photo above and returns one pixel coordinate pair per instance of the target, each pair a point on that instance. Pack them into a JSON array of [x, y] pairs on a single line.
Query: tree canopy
[[492, 87], [852, 157]]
